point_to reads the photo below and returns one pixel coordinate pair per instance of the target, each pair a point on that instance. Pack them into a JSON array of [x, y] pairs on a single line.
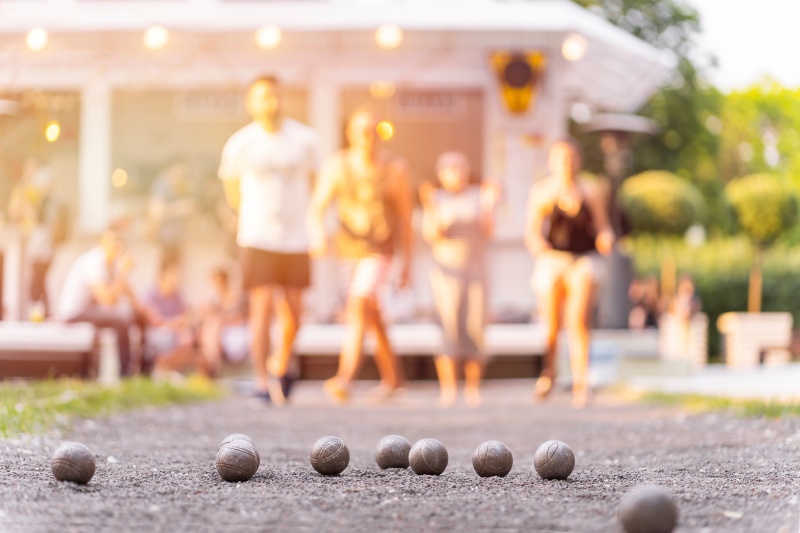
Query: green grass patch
[[33, 407], [746, 408]]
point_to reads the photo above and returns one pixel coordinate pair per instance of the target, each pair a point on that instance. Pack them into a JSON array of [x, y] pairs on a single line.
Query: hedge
[[720, 269]]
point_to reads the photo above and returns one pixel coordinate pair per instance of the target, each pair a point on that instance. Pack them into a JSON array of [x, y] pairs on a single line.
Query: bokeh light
[[574, 47], [385, 130], [52, 131], [36, 39], [119, 178], [389, 36], [381, 90], [156, 37], [269, 37]]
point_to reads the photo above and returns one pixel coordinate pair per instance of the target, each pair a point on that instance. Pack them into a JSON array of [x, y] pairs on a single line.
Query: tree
[[760, 132], [686, 109], [764, 209]]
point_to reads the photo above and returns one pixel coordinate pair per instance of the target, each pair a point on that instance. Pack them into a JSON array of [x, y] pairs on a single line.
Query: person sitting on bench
[[96, 291]]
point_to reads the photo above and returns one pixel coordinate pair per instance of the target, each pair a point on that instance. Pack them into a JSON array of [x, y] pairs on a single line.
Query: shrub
[[660, 202], [764, 208]]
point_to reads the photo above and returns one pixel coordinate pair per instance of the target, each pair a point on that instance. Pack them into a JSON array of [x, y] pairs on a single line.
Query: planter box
[[750, 336]]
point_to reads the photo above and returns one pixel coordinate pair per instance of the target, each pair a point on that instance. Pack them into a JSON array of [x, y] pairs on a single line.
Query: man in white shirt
[[267, 170], [95, 291]]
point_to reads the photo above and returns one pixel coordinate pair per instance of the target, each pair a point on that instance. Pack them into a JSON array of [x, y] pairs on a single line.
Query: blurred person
[[457, 221], [644, 294], [45, 224], [373, 194], [684, 306], [170, 335], [96, 290], [169, 207], [567, 230], [224, 335], [686, 303], [267, 170]]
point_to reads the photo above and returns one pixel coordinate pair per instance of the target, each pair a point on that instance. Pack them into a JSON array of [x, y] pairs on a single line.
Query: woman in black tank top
[[567, 230]]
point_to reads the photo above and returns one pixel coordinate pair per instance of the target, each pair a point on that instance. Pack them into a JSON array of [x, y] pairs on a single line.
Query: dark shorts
[[260, 267]]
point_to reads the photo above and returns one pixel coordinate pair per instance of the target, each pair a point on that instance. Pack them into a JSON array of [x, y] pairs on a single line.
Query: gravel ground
[[156, 468]]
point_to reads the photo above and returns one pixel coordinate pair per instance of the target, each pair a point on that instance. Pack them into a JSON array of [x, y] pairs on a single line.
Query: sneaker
[[287, 384], [262, 395]]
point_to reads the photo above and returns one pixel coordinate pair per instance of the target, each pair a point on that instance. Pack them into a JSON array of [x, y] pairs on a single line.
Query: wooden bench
[[45, 349]]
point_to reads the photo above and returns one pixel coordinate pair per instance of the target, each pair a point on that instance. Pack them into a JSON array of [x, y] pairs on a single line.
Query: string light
[[389, 36], [156, 37], [36, 39], [385, 130], [381, 89], [52, 131], [574, 47], [269, 37], [119, 178]]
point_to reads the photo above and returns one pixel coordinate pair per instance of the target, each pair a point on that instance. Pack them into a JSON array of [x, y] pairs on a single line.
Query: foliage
[[685, 107], [661, 202], [36, 406], [764, 208], [760, 132], [720, 269]]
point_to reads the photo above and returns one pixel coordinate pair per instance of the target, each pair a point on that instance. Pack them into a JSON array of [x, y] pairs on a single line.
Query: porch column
[[95, 157], [325, 117]]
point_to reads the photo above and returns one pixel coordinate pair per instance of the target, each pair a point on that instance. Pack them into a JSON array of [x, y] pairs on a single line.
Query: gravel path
[[156, 469]]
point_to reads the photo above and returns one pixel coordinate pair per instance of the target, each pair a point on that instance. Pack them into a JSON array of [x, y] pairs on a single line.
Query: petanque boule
[[648, 509], [240, 436], [330, 456], [72, 461], [554, 460], [235, 436], [237, 460], [392, 452], [428, 457], [492, 458]]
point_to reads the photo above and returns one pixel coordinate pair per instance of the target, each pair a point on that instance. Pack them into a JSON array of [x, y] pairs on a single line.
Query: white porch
[[95, 51]]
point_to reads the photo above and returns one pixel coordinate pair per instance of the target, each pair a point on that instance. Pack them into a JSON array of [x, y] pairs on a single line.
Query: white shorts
[[367, 275], [552, 266]]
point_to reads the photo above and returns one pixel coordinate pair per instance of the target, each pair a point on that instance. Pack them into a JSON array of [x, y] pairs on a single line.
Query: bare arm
[[490, 194], [534, 220], [232, 192], [598, 206], [401, 192], [324, 193], [111, 292], [430, 223]]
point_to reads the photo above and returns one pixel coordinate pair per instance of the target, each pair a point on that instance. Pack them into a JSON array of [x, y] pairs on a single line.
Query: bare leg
[[178, 360], [260, 315], [473, 371], [385, 358], [580, 297], [447, 372], [550, 312], [289, 310], [338, 387], [210, 344]]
